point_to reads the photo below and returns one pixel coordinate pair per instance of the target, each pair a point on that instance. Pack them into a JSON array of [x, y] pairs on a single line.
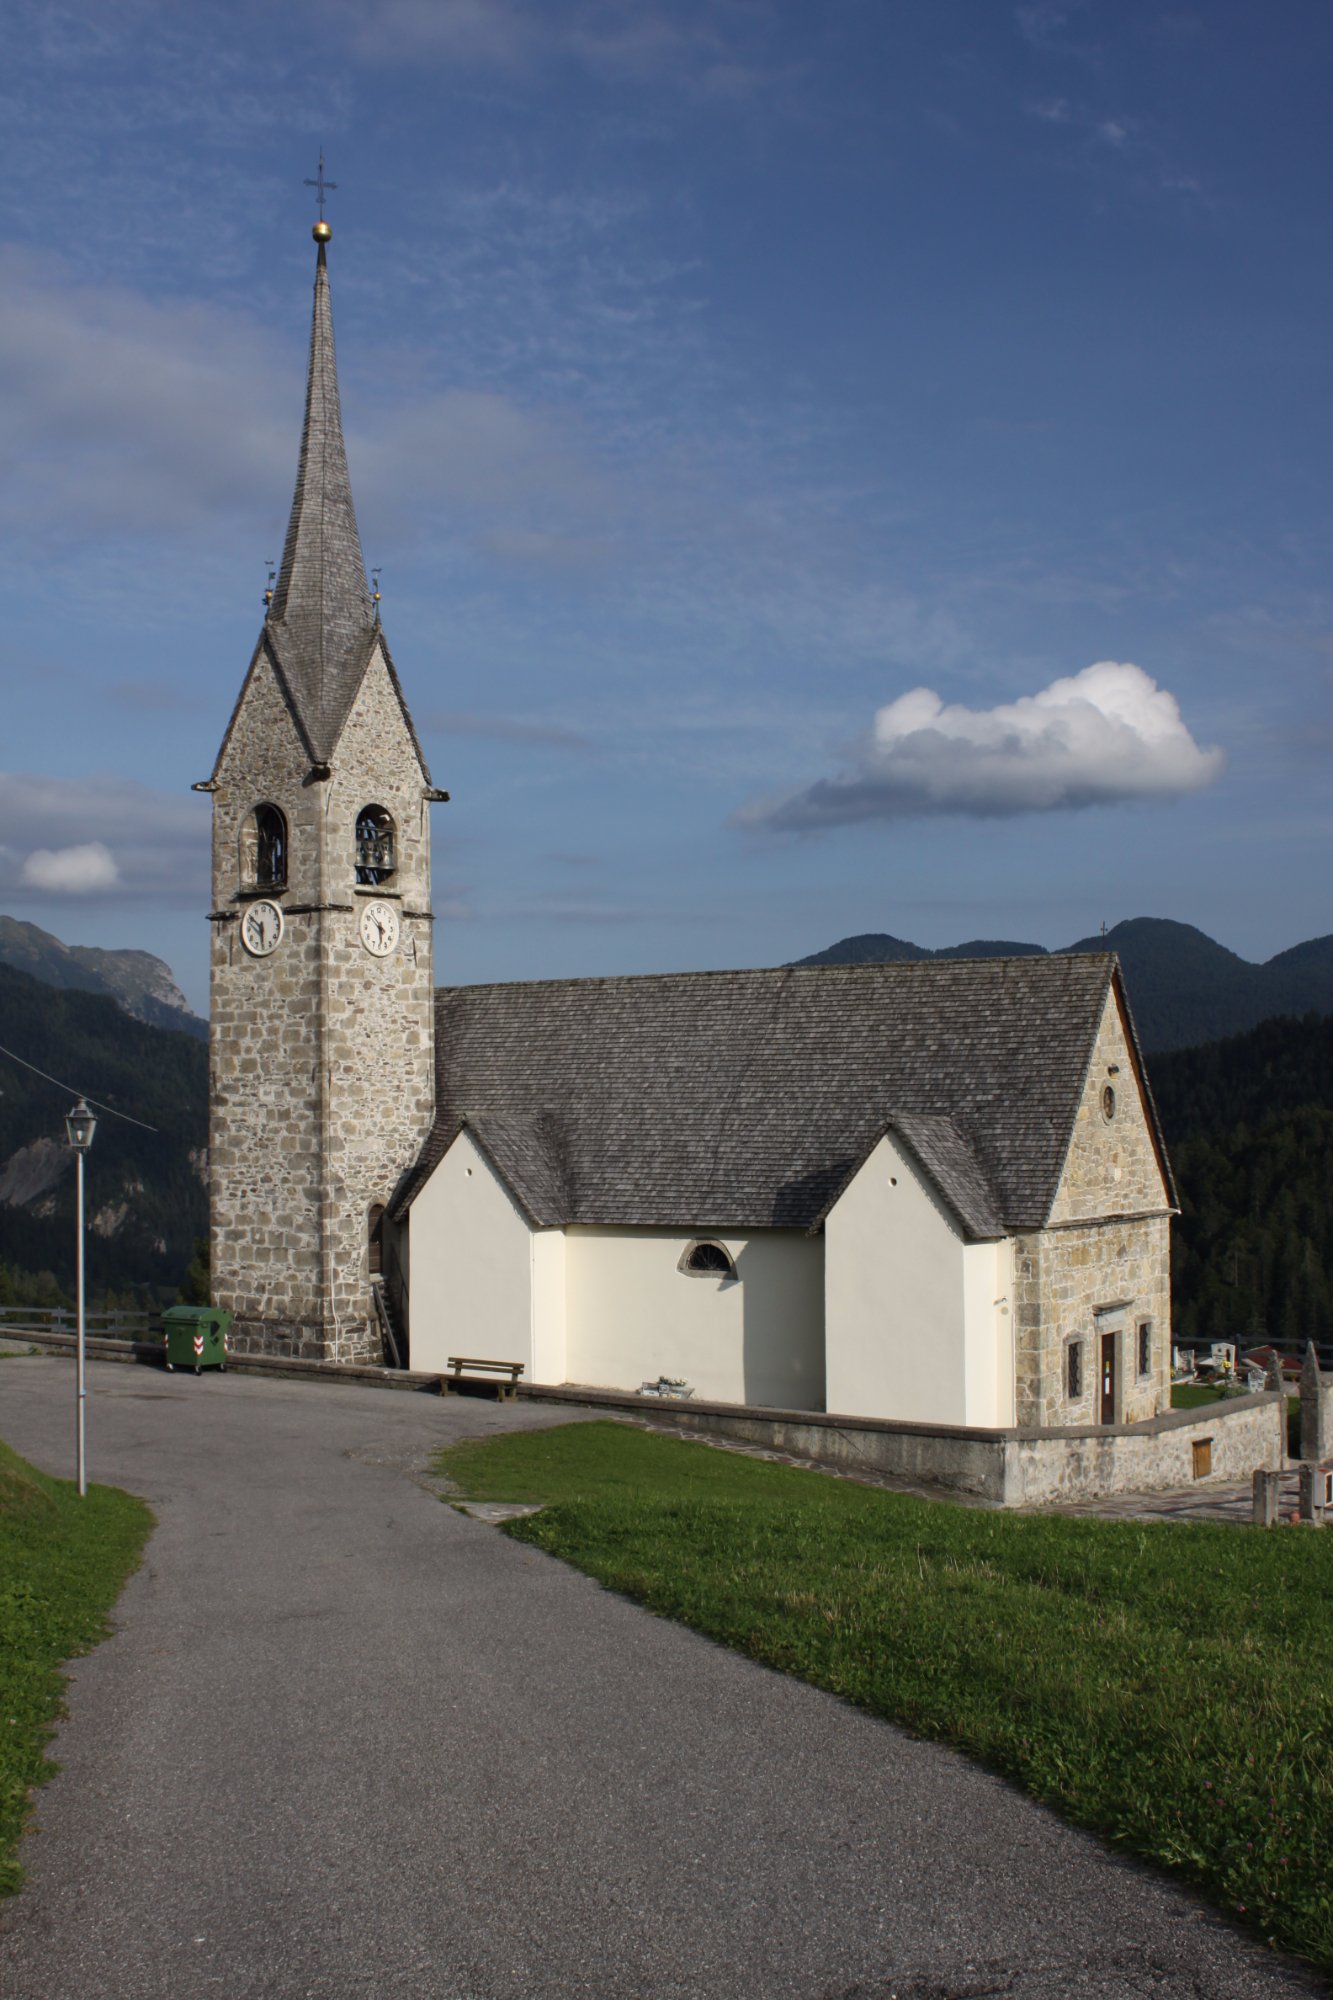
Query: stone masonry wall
[[1240, 1437], [1111, 1167], [1103, 1263], [322, 1056]]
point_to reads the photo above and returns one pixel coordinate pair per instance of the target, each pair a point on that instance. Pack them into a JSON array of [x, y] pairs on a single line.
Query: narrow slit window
[[1145, 1347], [1074, 1370], [375, 857]]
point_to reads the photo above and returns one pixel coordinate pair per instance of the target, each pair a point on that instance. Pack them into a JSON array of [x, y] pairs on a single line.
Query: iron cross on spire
[[324, 187]]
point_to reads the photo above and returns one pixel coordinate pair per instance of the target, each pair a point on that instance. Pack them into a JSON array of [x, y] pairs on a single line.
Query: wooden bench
[[465, 1368]]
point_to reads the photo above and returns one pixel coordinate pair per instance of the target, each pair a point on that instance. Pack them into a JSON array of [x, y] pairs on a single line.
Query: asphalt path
[[347, 1741]]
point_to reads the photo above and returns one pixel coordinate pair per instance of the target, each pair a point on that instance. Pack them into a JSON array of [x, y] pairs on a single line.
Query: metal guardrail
[[116, 1324]]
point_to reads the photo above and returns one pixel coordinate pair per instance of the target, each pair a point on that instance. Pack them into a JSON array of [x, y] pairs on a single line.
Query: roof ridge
[[899, 967]]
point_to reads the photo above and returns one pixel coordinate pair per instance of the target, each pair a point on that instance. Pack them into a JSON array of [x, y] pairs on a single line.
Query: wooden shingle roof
[[710, 1100]]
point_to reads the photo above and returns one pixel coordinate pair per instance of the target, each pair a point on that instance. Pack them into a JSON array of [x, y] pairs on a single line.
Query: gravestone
[[1266, 1486], [1316, 1396]]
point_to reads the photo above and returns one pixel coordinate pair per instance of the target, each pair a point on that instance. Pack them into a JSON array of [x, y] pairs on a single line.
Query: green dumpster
[[196, 1336]]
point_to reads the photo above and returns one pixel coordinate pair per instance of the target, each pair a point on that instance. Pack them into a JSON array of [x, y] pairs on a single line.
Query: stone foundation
[[355, 1341]]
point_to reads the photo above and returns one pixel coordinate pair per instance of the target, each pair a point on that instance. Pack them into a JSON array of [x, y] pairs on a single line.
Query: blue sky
[[765, 416]]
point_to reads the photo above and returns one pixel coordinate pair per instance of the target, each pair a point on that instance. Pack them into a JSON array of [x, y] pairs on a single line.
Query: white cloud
[[72, 871], [1042, 22], [100, 836], [615, 38], [134, 417], [1099, 737], [128, 414]]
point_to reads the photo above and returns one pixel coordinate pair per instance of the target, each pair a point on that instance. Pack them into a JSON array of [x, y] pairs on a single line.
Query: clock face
[[379, 928], [261, 929]]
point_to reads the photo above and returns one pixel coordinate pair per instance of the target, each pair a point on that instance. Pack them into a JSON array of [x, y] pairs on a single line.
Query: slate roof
[[709, 1100], [321, 629]]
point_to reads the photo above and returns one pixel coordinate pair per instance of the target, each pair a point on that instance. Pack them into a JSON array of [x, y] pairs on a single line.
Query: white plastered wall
[[549, 1362], [633, 1315], [915, 1321], [988, 1338], [471, 1266]]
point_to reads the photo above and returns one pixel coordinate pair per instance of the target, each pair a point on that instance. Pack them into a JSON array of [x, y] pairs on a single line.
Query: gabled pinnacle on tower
[[321, 620]]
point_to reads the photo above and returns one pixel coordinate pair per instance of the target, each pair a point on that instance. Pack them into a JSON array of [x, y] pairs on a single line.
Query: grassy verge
[[63, 1562], [1189, 1395], [1169, 1686]]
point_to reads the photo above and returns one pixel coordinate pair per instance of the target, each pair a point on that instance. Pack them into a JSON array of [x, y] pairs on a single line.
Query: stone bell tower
[[322, 1032]]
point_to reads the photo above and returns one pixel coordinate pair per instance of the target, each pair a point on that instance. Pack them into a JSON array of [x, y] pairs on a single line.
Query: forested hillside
[[1249, 1122], [146, 1196]]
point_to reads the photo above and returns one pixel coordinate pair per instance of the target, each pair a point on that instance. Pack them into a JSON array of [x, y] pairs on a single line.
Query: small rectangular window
[[1145, 1347], [1074, 1370]]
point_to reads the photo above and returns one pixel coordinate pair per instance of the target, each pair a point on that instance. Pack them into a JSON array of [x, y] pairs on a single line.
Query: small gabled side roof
[[524, 1155], [946, 1158]]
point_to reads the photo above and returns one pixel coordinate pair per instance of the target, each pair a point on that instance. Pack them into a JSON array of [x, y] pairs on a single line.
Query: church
[[932, 1192]]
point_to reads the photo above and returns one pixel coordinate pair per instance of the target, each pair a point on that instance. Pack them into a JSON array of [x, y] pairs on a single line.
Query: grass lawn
[[1189, 1395], [1170, 1686], [63, 1562]]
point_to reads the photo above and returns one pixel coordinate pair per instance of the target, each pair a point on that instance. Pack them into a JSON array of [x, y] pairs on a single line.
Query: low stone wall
[[1009, 1468], [285, 1368], [1244, 1433]]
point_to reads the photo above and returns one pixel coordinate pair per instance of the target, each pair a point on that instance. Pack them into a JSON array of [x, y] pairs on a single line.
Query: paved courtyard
[[348, 1741]]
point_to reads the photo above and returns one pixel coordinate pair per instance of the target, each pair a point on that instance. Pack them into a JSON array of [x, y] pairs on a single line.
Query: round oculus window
[[1108, 1102]]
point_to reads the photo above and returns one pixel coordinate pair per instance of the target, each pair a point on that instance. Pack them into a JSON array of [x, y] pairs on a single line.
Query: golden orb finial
[[321, 231]]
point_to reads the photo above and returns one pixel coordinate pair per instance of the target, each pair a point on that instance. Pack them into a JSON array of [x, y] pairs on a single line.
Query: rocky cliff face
[[135, 980]]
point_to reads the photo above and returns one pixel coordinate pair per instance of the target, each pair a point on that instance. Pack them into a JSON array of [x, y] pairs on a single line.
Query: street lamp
[[80, 1124]]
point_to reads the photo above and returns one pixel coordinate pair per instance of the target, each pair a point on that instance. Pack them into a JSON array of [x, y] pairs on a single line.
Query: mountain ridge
[[1184, 987], [137, 981]]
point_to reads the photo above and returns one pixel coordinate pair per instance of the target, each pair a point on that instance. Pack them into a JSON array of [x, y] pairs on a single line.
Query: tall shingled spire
[[321, 624]]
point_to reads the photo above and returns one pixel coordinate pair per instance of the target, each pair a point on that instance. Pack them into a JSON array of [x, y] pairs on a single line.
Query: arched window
[[374, 846], [264, 849], [707, 1260]]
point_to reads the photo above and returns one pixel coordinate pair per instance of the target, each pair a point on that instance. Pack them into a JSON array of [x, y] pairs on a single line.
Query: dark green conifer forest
[[147, 1203], [1249, 1123]]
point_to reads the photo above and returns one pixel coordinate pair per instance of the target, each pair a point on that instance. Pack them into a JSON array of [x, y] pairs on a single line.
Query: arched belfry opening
[[375, 858], [263, 845]]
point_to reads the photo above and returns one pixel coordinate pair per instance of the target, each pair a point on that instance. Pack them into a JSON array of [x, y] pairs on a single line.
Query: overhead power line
[[74, 1091]]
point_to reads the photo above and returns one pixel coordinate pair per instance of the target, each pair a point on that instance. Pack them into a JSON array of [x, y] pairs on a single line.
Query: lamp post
[[80, 1124]]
